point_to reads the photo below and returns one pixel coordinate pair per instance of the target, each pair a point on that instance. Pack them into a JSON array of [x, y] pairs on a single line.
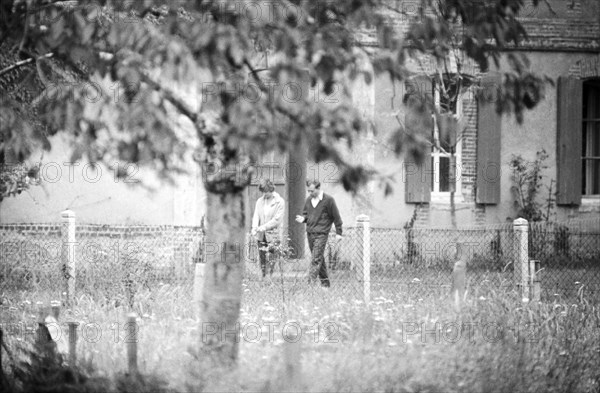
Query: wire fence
[[113, 263], [119, 263]]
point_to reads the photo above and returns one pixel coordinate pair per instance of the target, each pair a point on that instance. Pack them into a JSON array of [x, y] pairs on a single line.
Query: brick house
[[564, 44]]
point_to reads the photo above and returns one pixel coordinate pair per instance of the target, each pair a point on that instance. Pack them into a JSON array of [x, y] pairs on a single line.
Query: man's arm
[[337, 219], [302, 218]]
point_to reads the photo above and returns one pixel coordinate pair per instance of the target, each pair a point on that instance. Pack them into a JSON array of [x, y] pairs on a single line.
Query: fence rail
[[117, 262]]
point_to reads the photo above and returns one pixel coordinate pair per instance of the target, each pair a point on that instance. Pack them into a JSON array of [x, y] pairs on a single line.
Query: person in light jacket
[[267, 225]]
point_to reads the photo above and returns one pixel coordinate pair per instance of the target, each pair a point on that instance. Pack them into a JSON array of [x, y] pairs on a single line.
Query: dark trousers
[[318, 267], [267, 256]]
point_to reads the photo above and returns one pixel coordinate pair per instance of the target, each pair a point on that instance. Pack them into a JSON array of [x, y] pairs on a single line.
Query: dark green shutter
[[388, 100], [568, 141], [489, 128], [418, 103]]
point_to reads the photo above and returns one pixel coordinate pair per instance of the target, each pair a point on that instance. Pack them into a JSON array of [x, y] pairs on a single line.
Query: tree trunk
[[222, 288], [452, 176]]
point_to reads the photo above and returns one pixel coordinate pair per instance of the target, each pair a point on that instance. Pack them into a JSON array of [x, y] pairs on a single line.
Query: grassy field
[[408, 339]]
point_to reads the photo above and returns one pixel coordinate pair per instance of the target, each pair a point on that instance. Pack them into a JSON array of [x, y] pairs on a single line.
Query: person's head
[[313, 187], [267, 188]]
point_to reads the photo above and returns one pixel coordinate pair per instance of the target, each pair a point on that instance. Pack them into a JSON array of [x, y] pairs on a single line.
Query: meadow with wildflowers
[[404, 341]]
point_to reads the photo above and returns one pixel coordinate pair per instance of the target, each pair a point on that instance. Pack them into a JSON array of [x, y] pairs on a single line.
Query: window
[[591, 139], [446, 101]]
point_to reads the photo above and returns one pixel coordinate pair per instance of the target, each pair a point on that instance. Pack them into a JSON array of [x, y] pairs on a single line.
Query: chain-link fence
[[113, 262], [569, 255], [119, 263]]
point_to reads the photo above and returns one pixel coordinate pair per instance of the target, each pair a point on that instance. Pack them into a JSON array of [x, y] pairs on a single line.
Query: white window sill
[[590, 203], [443, 198]]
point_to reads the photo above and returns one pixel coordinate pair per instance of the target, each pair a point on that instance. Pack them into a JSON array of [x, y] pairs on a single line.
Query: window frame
[[590, 92], [438, 196]]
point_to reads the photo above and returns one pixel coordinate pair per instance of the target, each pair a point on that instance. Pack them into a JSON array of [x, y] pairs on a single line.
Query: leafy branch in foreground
[[161, 86]]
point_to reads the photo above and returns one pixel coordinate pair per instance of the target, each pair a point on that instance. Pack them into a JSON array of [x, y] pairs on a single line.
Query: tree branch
[[169, 96], [24, 62]]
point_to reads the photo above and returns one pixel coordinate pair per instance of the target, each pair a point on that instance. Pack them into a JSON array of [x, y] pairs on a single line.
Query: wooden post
[[534, 283], [45, 346], [42, 335], [459, 277], [72, 343], [68, 252], [132, 344], [521, 249], [363, 222], [291, 360], [55, 309]]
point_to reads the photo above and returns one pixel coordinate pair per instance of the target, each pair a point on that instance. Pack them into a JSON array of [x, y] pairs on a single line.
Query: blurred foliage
[[153, 82]]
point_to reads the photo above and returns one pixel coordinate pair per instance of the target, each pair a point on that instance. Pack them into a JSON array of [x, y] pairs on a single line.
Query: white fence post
[[363, 222], [68, 252], [198, 280], [521, 230]]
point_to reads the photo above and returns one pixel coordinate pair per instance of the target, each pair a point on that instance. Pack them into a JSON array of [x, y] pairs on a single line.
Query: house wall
[[563, 36], [96, 197], [538, 131]]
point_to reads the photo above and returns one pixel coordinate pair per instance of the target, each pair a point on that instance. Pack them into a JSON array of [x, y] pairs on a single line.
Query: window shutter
[[489, 128], [418, 101], [568, 140]]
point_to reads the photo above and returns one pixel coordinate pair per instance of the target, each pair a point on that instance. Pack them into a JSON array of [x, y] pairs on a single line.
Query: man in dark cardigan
[[320, 211]]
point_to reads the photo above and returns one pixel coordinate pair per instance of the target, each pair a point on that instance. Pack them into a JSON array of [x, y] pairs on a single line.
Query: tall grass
[[404, 340]]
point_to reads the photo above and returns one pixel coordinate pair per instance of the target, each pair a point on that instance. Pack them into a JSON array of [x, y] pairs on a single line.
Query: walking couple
[[319, 213]]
